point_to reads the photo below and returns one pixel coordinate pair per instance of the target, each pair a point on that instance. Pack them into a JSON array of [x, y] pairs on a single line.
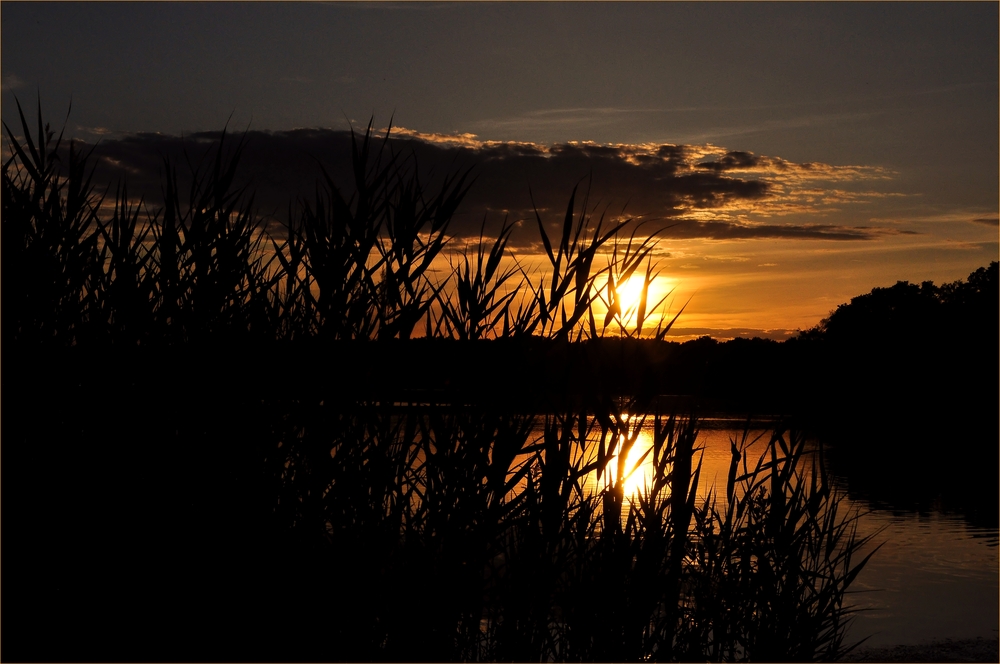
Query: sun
[[629, 294]]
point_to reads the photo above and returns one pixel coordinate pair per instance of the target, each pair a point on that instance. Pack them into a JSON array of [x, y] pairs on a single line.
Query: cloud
[[987, 221], [686, 191], [392, 6], [459, 140], [722, 334], [572, 120], [10, 82], [737, 161], [717, 230], [774, 125], [921, 217], [99, 132]]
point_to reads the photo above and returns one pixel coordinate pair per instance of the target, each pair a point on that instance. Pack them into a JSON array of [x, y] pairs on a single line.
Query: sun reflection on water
[[638, 475], [712, 451], [932, 576]]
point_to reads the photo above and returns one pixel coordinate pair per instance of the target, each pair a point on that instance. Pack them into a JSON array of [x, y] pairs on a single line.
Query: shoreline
[[979, 649]]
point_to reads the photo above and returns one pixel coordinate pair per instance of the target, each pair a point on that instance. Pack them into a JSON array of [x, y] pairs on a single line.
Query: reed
[[481, 532]]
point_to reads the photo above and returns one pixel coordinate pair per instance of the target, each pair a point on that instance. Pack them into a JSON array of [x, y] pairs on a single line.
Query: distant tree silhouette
[[906, 311], [906, 380]]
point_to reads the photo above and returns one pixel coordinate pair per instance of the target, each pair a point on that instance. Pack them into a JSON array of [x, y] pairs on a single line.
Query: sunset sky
[[790, 155]]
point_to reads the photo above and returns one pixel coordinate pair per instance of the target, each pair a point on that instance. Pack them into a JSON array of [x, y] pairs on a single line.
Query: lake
[[934, 577]]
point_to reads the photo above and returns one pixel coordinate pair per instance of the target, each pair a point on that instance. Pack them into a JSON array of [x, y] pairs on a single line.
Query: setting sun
[[629, 294], [629, 297]]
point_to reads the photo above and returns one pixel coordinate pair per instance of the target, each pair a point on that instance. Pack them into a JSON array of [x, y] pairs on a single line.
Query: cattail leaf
[[541, 229]]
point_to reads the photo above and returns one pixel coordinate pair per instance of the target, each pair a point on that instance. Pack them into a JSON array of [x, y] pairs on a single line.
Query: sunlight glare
[[629, 294], [643, 475]]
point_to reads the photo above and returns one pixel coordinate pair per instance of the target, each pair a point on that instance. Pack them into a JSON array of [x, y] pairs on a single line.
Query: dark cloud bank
[[687, 191]]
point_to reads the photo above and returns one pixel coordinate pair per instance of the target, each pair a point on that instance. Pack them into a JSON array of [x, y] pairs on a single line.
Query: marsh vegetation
[[215, 449]]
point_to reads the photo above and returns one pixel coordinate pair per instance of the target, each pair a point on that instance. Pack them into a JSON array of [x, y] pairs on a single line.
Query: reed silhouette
[[213, 450]]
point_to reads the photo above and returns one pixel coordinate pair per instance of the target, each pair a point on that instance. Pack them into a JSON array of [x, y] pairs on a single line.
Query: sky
[[789, 156]]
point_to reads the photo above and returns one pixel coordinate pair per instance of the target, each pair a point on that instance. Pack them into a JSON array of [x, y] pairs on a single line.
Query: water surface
[[935, 575]]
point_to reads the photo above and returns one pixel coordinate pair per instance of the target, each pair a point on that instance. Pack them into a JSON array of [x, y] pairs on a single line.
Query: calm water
[[934, 577]]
